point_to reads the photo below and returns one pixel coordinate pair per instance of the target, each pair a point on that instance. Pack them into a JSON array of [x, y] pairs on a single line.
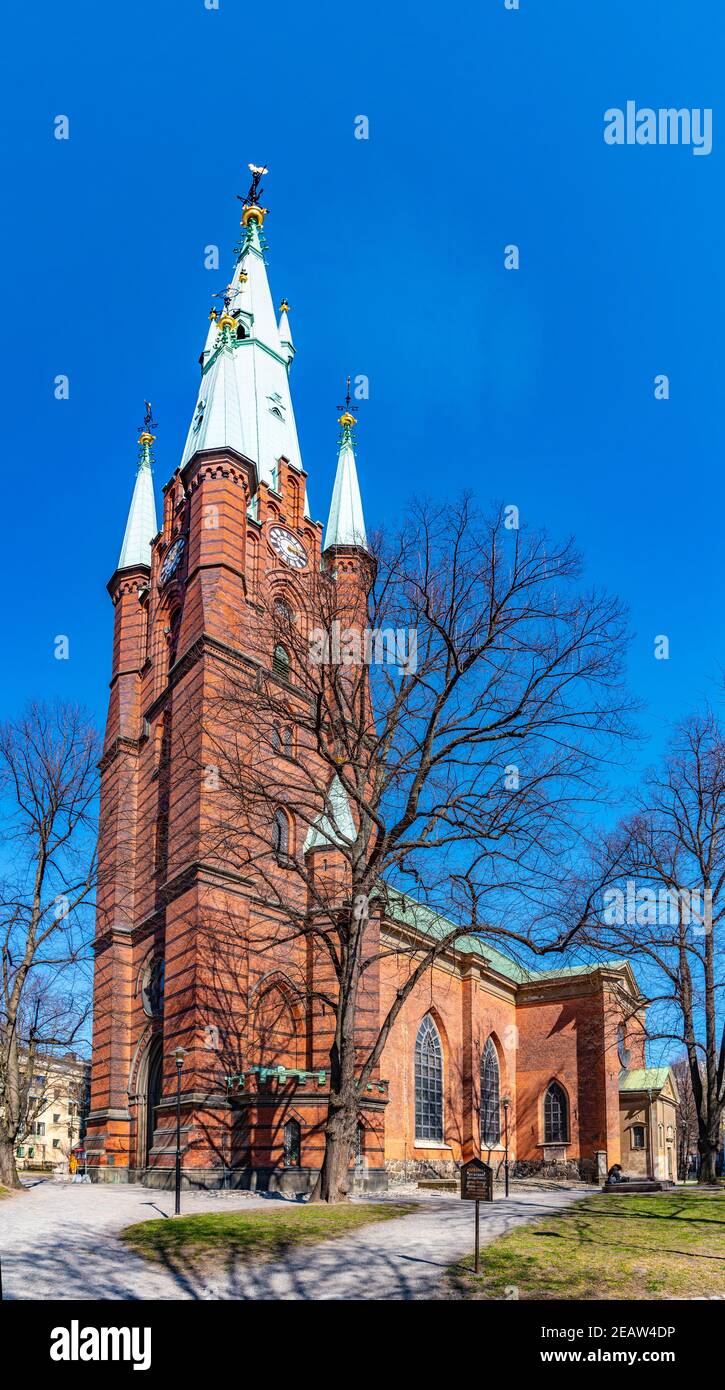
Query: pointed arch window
[[556, 1115], [280, 835], [428, 1083], [292, 1144], [490, 1096], [282, 740], [280, 661]]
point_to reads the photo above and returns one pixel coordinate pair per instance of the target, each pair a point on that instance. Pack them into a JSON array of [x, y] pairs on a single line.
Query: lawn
[[269, 1231], [668, 1245]]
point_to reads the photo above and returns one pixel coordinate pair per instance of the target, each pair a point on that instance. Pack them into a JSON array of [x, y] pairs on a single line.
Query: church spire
[[141, 525], [244, 401], [346, 524]]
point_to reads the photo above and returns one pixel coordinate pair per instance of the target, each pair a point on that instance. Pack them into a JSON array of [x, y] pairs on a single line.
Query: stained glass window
[[292, 1144], [555, 1115], [490, 1107], [428, 1082]]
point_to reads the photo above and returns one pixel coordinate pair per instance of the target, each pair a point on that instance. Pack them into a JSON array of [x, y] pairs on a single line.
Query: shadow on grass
[[201, 1251]]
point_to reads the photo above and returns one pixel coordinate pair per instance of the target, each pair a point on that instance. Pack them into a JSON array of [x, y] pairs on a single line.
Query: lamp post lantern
[[179, 1056], [506, 1104]]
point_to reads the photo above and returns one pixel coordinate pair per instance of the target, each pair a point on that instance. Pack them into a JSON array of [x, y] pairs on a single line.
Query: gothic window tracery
[[490, 1096], [556, 1118], [428, 1083], [292, 1144]]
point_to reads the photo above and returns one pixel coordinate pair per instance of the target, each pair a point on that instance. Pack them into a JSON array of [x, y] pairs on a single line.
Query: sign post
[[476, 1186]]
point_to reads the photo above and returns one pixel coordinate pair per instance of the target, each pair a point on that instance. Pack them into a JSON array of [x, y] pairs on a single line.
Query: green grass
[[669, 1245], [269, 1231]]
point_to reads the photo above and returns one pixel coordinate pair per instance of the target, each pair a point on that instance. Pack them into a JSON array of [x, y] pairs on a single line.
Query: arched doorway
[[154, 1083]]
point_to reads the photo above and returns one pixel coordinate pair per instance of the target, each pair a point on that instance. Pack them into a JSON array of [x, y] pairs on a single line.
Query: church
[[543, 1071]]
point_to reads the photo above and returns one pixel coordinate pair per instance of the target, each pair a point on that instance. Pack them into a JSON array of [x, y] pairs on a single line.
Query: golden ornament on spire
[[347, 419], [284, 307]]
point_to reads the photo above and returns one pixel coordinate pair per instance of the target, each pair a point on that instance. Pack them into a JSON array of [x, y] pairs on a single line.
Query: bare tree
[[434, 719], [687, 1127], [48, 786], [664, 906]]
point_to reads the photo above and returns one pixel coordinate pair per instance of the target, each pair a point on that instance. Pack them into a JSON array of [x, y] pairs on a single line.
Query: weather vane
[[255, 192], [348, 407], [226, 294], [149, 424]]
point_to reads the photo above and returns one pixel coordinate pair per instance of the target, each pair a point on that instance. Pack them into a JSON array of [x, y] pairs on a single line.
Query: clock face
[[288, 547], [171, 561]]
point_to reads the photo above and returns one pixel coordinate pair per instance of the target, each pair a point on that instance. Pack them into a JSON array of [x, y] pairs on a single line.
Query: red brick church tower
[[235, 537]]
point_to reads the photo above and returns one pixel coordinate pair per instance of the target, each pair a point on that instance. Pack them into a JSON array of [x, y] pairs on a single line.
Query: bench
[[638, 1185]]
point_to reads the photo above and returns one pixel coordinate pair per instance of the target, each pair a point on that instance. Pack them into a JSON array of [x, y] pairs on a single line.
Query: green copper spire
[[346, 523], [141, 526]]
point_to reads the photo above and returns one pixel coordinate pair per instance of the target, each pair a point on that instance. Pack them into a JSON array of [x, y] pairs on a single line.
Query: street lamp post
[[506, 1104], [179, 1056]]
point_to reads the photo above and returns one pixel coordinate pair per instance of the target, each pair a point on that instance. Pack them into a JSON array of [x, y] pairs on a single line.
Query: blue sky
[[534, 387]]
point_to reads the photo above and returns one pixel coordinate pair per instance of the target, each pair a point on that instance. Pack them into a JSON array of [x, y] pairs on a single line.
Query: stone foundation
[[404, 1170], [287, 1180], [568, 1169]]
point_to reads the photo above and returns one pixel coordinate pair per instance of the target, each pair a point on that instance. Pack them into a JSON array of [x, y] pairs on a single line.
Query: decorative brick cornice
[[220, 463], [128, 581], [119, 745]]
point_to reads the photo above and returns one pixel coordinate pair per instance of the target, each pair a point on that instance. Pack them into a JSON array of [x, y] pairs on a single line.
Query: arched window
[[280, 661], [556, 1122], [292, 1144], [280, 835], [172, 634], [490, 1106], [282, 740], [241, 331], [428, 1083]]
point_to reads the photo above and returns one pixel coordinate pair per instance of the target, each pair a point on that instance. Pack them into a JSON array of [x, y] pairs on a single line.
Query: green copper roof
[[244, 400], [337, 828], [346, 524], [141, 524], [644, 1079], [408, 912]]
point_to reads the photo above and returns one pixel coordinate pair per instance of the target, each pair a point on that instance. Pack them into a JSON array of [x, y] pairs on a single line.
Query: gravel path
[[59, 1240]]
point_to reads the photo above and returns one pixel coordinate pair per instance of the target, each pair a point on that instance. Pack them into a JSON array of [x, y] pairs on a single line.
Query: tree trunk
[[708, 1157], [8, 1169], [334, 1177]]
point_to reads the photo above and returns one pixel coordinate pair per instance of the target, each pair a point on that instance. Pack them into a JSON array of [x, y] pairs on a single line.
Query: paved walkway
[[59, 1240]]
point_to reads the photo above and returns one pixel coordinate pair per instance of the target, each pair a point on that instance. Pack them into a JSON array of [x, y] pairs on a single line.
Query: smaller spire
[[346, 523], [141, 526], [285, 332], [336, 829]]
